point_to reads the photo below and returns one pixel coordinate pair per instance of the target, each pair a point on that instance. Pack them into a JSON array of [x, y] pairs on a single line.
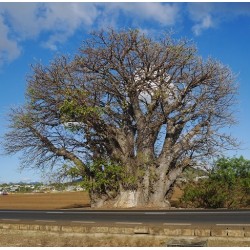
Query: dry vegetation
[[15, 238], [21, 238], [43, 201]]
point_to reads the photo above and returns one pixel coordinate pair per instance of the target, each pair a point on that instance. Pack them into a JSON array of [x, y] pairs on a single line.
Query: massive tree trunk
[[152, 188], [151, 191], [130, 198]]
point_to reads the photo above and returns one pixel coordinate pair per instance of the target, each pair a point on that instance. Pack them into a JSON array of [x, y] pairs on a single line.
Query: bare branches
[[116, 98]]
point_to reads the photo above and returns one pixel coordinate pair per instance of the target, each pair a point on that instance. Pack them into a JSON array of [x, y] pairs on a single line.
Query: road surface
[[168, 217]]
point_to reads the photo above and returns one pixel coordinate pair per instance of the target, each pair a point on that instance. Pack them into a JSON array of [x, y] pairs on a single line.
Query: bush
[[228, 185]]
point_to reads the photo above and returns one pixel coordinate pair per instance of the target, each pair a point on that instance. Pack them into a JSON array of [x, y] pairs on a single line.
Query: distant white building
[[200, 178]]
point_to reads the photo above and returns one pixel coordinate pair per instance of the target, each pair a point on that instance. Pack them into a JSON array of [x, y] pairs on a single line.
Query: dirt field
[[60, 200], [43, 201]]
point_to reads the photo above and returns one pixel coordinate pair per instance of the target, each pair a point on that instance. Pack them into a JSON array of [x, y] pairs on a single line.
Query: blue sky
[[37, 32]]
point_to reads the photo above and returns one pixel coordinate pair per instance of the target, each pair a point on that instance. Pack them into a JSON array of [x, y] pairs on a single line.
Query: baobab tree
[[128, 114]]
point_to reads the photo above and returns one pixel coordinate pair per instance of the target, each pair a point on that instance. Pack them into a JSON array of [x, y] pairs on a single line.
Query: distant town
[[37, 187]]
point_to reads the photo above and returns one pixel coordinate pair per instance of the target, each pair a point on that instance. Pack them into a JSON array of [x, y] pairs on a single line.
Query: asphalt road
[[168, 217]]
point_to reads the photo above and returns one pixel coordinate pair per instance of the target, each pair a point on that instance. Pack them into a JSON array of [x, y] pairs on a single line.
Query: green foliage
[[228, 185], [59, 186], [72, 110], [105, 176], [203, 194], [73, 172], [25, 189]]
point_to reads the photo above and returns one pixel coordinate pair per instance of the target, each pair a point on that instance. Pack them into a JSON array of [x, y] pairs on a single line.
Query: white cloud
[[205, 23], [9, 49], [58, 21], [200, 13], [29, 20], [65, 18], [163, 13], [22, 21], [210, 15], [53, 23]]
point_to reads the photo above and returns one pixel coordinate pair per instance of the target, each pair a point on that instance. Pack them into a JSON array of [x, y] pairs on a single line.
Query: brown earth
[[45, 201], [175, 199], [58, 200]]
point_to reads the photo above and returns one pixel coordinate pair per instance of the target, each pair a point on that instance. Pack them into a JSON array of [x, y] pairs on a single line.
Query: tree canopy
[[128, 113]]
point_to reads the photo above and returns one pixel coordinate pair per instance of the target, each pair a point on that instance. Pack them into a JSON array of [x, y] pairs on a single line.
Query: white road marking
[[11, 219], [135, 212], [177, 224], [201, 212], [208, 212], [79, 221], [54, 212], [157, 213], [233, 225], [132, 223], [45, 220]]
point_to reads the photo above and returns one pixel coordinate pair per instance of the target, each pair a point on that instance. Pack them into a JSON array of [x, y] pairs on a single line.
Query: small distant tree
[[228, 185], [128, 114]]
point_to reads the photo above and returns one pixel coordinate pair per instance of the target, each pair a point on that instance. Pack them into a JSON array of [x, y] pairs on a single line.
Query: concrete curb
[[168, 230], [222, 234]]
